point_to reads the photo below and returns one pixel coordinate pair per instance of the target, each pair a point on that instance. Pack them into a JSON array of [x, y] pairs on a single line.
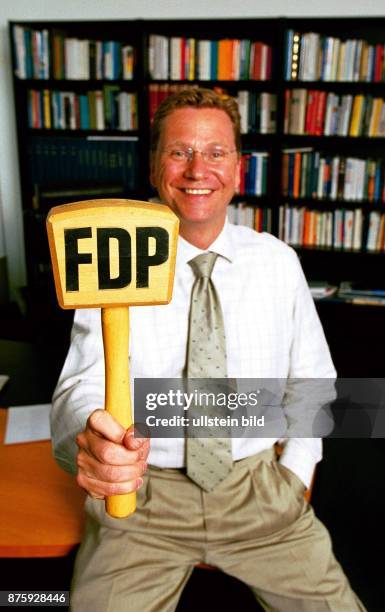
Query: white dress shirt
[[272, 331]]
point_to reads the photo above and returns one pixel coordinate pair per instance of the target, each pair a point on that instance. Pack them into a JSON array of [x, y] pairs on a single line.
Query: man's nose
[[196, 167]]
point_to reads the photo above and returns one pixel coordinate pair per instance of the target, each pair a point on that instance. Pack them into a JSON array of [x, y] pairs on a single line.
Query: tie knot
[[203, 264]]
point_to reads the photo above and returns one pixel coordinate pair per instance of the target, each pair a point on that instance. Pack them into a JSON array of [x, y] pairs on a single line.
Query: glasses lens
[[211, 155], [215, 155], [178, 154]]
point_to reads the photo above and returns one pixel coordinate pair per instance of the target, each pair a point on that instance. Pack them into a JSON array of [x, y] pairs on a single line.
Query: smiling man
[[241, 308], [195, 168]]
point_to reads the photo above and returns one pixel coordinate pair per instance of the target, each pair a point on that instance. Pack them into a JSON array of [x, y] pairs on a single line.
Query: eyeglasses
[[211, 155]]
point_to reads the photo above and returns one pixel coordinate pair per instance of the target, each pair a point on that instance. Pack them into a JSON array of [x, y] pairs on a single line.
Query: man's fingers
[[90, 467], [99, 489], [135, 439], [106, 452], [104, 424], [111, 461]]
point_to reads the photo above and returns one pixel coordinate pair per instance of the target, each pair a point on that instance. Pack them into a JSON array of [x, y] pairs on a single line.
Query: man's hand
[[110, 459]]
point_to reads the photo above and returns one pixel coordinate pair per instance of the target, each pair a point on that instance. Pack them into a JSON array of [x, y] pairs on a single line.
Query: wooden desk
[[41, 507]]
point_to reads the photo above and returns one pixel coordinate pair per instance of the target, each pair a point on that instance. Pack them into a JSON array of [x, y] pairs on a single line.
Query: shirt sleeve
[[311, 384], [80, 388]]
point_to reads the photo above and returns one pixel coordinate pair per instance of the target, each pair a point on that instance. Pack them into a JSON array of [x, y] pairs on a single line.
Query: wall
[[117, 9]]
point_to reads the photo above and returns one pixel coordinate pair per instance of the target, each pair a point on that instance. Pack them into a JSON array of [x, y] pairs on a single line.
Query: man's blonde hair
[[196, 98]]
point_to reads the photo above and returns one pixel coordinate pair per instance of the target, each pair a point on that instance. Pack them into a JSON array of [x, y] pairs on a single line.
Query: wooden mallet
[[113, 254]]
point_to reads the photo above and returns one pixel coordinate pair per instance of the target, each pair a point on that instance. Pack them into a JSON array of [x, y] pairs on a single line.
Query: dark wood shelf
[[263, 200], [340, 86], [81, 133], [335, 142], [332, 264], [270, 84], [75, 83], [354, 252], [327, 204]]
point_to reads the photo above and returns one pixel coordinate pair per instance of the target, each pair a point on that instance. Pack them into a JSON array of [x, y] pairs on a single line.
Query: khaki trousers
[[255, 526]]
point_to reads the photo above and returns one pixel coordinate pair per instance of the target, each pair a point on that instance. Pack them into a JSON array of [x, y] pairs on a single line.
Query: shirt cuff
[[298, 458]]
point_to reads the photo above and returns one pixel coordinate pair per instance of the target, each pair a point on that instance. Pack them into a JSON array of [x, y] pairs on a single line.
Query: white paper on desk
[[27, 424]]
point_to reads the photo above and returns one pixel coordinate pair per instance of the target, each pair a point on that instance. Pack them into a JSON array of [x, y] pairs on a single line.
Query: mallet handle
[[116, 329]]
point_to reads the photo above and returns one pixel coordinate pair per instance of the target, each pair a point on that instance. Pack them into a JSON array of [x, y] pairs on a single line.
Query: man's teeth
[[198, 191]]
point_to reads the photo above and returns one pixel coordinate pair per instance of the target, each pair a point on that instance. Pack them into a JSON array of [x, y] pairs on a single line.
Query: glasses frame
[[189, 154]]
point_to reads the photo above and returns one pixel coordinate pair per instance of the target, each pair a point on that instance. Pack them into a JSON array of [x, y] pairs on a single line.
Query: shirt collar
[[223, 245]]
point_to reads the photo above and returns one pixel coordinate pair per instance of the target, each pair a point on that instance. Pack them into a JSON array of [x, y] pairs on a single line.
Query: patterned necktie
[[208, 460]]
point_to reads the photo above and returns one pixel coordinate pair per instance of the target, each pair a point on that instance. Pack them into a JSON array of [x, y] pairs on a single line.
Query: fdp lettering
[[74, 258]]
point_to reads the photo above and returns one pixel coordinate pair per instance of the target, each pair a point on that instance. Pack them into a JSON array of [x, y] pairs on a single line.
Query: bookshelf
[[333, 170], [77, 88], [311, 94], [244, 67]]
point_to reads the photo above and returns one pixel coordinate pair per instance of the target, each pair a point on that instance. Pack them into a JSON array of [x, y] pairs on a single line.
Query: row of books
[[109, 108], [310, 174], [357, 293], [376, 231], [258, 112], [253, 174], [157, 92], [338, 229], [313, 228], [32, 53], [313, 57], [43, 55], [320, 113], [348, 291], [256, 217], [362, 293], [182, 58], [43, 197], [322, 289], [87, 161]]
